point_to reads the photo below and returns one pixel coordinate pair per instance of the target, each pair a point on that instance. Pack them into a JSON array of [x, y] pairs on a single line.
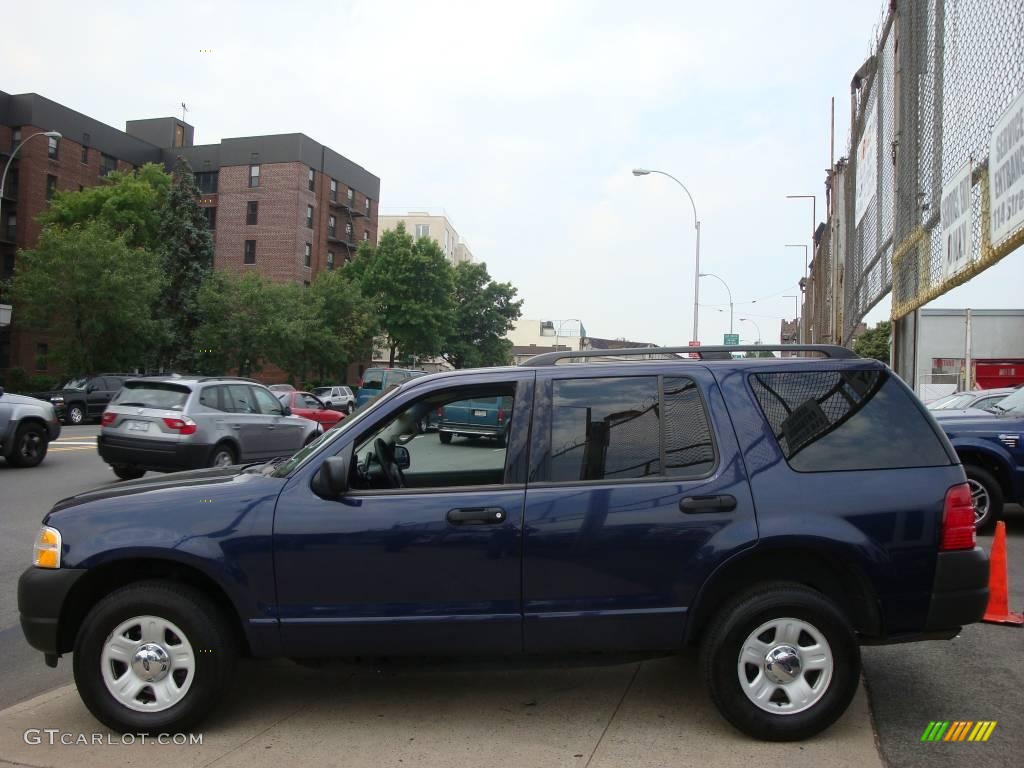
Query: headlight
[[46, 551], [57, 399]]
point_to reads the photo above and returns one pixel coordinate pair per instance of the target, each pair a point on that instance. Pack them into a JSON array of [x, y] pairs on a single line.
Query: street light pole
[[558, 331], [709, 274], [748, 320], [696, 225], [3, 176]]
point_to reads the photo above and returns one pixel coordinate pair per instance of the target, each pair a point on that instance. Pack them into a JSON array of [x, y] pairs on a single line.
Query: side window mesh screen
[[689, 449]]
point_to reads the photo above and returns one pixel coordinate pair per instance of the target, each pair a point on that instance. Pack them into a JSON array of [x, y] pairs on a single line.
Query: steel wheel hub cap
[[785, 666], [147, 664], [980, 498]]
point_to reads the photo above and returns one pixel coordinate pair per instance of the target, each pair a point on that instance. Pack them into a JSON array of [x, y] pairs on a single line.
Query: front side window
[[239, 399], [254, 175], [402, 453], [846, 420], [618, 428]]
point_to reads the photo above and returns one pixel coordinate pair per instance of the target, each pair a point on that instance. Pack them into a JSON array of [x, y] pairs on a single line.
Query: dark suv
[[774, 513], [989, 445], [84, 399]]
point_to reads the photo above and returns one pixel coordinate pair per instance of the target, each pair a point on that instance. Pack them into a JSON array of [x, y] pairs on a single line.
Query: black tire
[[502, 439], [126, 472], [30, 443], [729, 631], [75, 414], [349, 408], [984, 478], [205, 628], [220, 450], [446, 437]]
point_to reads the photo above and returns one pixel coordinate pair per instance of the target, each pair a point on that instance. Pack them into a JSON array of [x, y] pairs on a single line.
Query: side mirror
[[286, 411], [331, 480], [91, 388], [402, 457]]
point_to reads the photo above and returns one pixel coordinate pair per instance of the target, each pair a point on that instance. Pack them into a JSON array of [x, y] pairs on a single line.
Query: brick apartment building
[[282, 205]]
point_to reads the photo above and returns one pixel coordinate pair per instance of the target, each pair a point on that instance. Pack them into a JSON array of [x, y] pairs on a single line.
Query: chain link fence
[[924, 108]]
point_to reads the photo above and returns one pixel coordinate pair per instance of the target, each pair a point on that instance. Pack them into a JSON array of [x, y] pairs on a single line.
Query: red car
[[309, 406]]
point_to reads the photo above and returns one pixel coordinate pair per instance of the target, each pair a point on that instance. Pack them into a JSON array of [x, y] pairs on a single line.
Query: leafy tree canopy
[[875, 342], [484, 312]]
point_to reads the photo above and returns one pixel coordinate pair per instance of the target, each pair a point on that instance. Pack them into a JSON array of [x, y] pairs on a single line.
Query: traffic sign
[[732, 339], [694, 354]]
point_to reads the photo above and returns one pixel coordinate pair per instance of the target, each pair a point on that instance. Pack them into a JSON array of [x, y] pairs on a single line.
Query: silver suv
[[27, 425], [337, 397], [167, 424]]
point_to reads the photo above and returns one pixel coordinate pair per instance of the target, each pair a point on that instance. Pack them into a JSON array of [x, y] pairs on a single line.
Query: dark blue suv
[[990, 447], [774, 513]]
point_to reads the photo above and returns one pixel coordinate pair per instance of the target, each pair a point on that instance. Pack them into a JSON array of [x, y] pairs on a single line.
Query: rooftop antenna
[[184, 109]]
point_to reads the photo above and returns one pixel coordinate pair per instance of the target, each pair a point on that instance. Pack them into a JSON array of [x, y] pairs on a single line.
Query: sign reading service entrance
[[1006, 172]]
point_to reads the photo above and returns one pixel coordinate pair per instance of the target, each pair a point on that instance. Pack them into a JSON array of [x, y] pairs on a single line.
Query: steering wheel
[[386, 459]]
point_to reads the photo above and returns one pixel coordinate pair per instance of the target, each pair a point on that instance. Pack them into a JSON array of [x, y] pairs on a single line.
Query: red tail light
[[107, 419], [958, 519], [439, 412], [184, 426], [501, 415]]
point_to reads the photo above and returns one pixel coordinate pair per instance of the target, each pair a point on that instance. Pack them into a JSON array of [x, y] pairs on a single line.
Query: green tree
[[875, 342], [186, 257], [235, 316], [758, 354], [93, 291], [131, 204], [484, 313], [410, 286]]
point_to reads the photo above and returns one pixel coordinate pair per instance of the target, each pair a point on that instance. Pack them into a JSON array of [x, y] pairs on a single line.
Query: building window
[[51, 186], [351, 197], [366, 203], [206, 182], [252, 211], [179, 135], [12, 227], [330, 259], [53, 147], [311, 179], [12, 184], [85, 155], [348, 231], [422, 230], [366, 235], [334, 189], [305, 283], [42, 352], [307, 256], [332, 226], [108, 164], [250, 252], [15, 138], [210, 213], [309, 216], [254, 175], [8, 272]]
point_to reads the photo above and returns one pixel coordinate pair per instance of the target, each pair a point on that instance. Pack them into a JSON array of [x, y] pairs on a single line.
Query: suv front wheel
[[781, 662], [76, 414], [153, 656]]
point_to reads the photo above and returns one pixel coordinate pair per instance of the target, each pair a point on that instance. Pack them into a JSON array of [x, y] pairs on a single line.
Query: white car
[[338, 398]]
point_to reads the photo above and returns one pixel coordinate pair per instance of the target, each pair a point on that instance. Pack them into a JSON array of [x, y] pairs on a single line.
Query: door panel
[[615, 565]]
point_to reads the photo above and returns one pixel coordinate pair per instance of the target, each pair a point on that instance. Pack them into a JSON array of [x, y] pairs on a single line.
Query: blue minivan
[[773, 513]]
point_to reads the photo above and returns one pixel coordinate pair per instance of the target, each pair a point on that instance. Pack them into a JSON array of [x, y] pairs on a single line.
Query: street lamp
[[696, 225], [748, 320], [558, 331], [709, 274], [3, 176]]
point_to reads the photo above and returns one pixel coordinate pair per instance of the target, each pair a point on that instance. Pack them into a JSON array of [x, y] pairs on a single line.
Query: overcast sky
[[522, 121]]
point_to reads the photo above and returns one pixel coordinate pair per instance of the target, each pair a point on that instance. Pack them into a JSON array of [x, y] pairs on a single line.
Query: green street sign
[[732, 339]]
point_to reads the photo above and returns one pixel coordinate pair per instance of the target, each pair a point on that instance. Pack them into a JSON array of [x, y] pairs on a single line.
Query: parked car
[[475, 418], [340, 398], [171, 424], [638, 507], [375, 381], [83, 399], [27, 425], [309, 406], [982, 399], [989, 445]]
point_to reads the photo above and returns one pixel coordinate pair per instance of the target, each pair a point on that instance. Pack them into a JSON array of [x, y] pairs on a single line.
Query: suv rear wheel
[[781, 662], [126, 472], [987, 496], [153, 656], [223, 455], [30, 443]]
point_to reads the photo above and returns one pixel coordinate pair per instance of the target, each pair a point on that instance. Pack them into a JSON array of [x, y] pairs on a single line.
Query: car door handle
[[476, 516], [720, 503]]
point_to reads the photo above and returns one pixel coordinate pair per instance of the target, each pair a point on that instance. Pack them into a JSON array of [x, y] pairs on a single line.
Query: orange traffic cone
[[998, 610]]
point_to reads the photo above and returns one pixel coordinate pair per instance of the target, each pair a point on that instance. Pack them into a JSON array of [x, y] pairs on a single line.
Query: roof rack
[[704, 353], [227, 378]]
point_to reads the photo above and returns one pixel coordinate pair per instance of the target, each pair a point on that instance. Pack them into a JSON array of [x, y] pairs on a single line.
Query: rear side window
[[628, 427], [210, 397], [170, 397], [846, 420]]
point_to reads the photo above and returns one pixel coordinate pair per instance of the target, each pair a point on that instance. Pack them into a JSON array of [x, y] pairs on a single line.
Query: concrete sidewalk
[[408, 713]]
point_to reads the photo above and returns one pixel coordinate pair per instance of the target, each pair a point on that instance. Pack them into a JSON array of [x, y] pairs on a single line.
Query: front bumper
[[42, 593], [53, 429], [960, 590], [155, 455]]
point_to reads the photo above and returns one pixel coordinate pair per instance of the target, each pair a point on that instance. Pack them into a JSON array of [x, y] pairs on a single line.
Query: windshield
[[285, 468], [152, 395], [74, 384], [373, 379], [1013, 403], [950, 402], [322, 391]]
